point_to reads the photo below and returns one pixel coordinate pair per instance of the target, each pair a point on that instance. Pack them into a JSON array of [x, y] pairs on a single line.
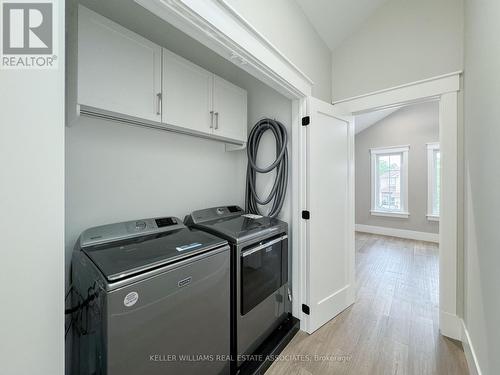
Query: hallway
[[393, 326]]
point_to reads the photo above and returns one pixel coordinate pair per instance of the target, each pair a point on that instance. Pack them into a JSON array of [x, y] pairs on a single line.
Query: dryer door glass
[[261, 273]]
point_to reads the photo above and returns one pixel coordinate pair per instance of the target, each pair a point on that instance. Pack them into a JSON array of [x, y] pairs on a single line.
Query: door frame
[[446, 90]]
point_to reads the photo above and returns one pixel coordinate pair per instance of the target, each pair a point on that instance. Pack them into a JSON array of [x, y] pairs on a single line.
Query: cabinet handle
[[216, 120], [211, 119], [158, 103]]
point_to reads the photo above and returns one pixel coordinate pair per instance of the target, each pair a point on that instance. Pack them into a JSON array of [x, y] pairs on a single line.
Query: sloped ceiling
[[366, 120], [335, 20]]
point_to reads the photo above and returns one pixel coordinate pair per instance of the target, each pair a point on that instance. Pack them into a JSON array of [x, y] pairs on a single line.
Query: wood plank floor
[[393, 326]]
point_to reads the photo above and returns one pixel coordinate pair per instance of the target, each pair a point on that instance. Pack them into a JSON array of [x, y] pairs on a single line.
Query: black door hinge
[[306, 120], [306, 215], [305, 309]]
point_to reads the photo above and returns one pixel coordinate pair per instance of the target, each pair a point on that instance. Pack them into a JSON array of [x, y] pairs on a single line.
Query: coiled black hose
[[278, 191]]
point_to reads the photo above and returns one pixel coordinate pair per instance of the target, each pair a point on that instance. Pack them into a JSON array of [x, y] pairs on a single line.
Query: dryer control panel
[[213, 213]]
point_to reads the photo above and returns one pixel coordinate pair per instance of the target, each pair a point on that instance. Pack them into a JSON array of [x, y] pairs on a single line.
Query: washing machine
[[150, 296], [259, 274]]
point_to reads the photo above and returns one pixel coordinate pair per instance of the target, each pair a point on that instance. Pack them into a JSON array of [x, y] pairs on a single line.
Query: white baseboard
[[401, 233], [450, 325], [470, 354]]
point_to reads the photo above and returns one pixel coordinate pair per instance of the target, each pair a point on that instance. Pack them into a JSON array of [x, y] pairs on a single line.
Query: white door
[[230, 106], [187, 94], [118, 70], [330, 228]]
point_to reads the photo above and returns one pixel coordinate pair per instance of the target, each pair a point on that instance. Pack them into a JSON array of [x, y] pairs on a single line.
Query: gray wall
[[482, 181], [32, 216], [403, 41], [285, 25], [414, 125]]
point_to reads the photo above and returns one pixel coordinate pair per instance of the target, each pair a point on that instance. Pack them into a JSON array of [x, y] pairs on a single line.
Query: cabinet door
[[230, 106], [118, 70], [187, 94]]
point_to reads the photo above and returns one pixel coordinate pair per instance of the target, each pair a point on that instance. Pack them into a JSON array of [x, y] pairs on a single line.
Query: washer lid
[[124, 258]]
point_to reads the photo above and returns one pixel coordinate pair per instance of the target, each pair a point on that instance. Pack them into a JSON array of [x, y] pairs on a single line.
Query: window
[[433, 181], [390, 181]]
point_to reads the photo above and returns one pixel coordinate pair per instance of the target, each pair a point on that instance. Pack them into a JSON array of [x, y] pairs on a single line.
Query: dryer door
[[262, 272]]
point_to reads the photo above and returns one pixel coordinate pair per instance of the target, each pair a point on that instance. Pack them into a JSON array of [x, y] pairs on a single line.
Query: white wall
[[285, 25], [414, 125], [482, 155], [403, 41], [32, 217], [116, 172]]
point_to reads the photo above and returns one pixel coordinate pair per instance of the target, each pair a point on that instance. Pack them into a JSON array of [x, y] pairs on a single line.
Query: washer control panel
[[140, 225], [128, 229]]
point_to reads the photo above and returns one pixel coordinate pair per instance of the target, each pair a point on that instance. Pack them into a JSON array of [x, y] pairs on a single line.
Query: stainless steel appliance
[[259, 275], [150, 297]]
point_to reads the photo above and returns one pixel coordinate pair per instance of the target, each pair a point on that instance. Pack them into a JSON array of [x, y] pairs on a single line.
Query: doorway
[[397, 186], [443, 89]]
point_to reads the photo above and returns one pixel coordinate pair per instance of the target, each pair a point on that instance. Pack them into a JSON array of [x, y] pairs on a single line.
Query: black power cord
[[75, 312], [91, 295], [278, 191]]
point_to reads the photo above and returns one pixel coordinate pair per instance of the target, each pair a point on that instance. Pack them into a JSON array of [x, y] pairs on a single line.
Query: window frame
[[374, 154], [431, 173]]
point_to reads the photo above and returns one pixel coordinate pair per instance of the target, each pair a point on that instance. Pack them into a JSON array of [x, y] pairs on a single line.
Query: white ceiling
[[366, 120], [335, 20]]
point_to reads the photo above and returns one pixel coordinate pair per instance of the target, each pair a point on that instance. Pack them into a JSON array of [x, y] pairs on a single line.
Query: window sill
[[401, 215], [433, 217]]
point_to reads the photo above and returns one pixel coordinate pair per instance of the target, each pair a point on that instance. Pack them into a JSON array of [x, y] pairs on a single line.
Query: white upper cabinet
[[123, 75], [118, 70], [230, 108], [187, 94]]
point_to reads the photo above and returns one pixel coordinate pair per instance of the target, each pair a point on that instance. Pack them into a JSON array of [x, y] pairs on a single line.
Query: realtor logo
[[27, 35]]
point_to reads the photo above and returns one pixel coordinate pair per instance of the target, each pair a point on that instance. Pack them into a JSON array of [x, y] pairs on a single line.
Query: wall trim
[[450, 325], [415, 92], [400, 233], [426, 80], [470, 353], [399, 214], [432, 147], [389, 149]]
